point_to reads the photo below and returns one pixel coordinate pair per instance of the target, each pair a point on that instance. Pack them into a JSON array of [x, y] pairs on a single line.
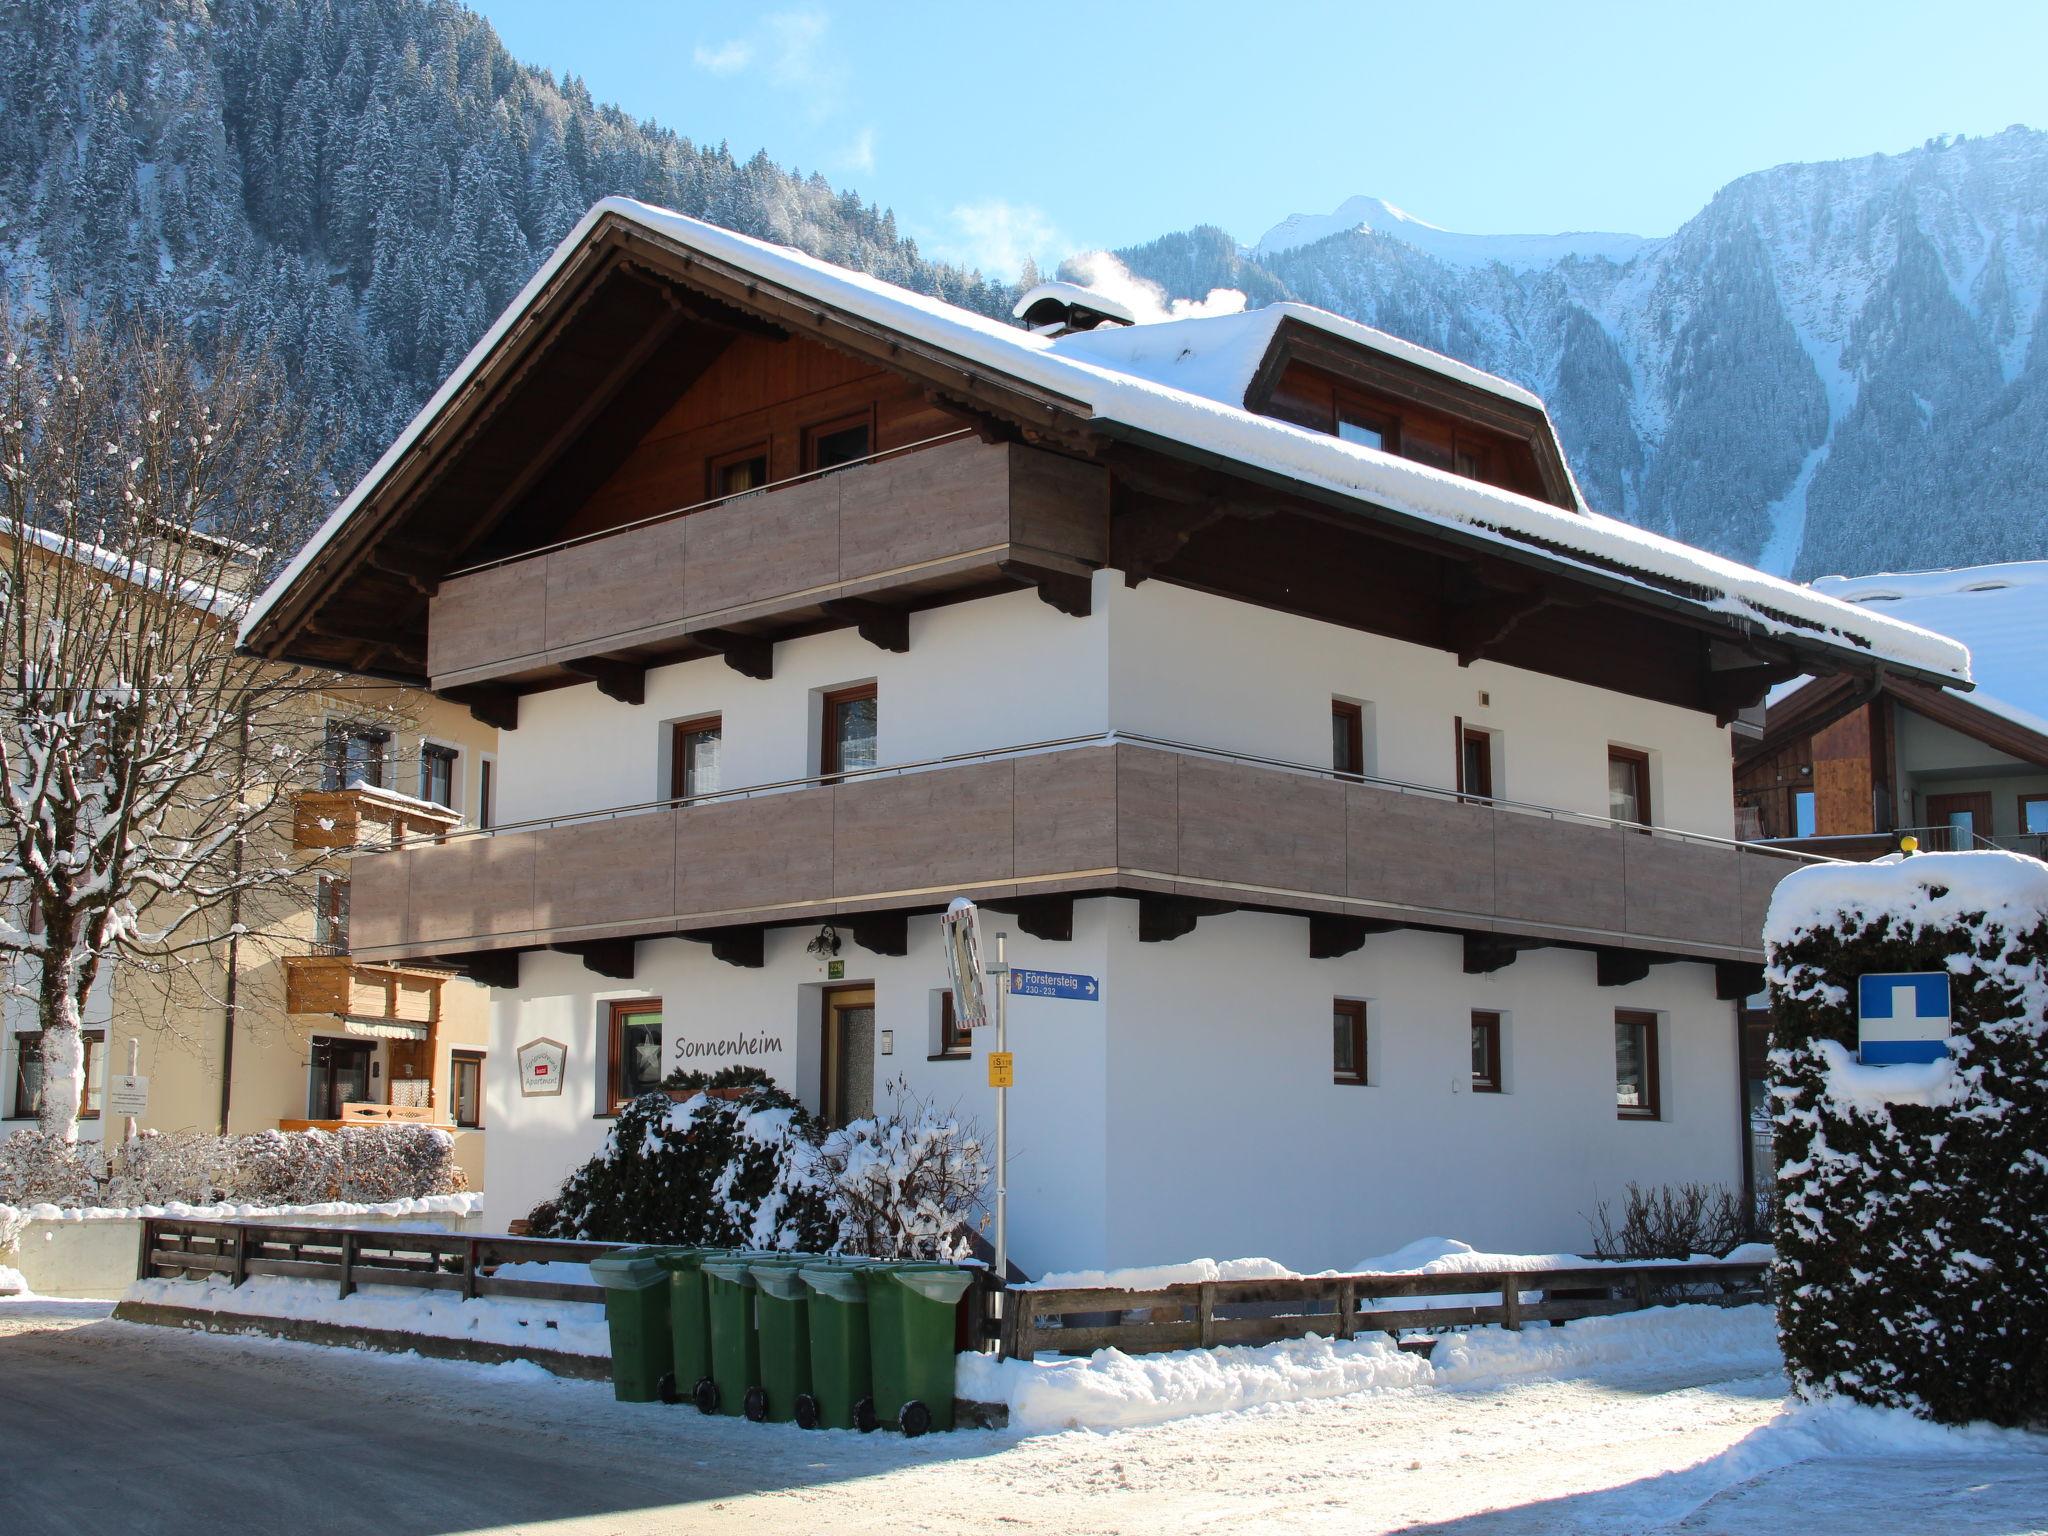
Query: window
[[1347, 737], [1374, 430], [694, 757], [28, 1075], [734, 474], [466, 1088], [1486, 1075], [330, 914], [437, 774], [340, 1077], [2034, 815], [1475, 761], [355, 755], [843, 441], [950, 1039], [1635, 1064], [1628, 785], [1802, 813], [634, 1051], [849, 730], [486, 791], [1347, 1041]]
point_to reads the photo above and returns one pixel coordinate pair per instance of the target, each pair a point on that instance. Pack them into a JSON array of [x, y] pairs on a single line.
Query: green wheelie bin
[[689, 1323], [842, 1381], [635, 1285], [782, 1326], [912, 1311], [735, 1349]]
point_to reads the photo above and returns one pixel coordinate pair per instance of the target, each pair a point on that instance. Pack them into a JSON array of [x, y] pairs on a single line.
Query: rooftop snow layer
[[1111, 390], [1999, 611]]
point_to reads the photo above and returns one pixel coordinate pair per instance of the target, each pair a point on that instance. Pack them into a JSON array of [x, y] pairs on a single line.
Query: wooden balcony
[[897, 532], [365, 817], [349, 988], [1172, 825]]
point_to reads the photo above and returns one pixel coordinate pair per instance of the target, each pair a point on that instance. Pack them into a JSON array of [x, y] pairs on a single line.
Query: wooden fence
[[352, 1256], [1197, 1316]]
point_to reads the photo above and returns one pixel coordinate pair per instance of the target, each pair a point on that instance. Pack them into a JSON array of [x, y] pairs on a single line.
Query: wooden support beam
[[1732, 691], [616, 678], [1164, 918], [1619, 967], [1043, 917], [1735, 980], [886, 628], [417, 567], [607, 957], [1486, 953], [748, 655], [741, 946], [881, 933], [1331, 934], [488, 967], [1063, 590], [495, 707]]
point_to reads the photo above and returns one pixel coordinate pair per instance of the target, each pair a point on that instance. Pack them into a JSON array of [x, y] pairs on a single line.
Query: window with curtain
[[634, 1051], [851, 730]]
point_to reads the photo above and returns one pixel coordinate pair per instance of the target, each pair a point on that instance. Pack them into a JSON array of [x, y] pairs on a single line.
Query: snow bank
[[1931, 890], [12, 1282], [574, 1327], [1113, 1390], [1153, 1277], [469, 1203]]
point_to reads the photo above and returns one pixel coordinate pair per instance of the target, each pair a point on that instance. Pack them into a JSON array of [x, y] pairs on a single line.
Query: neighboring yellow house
[[278, 1028]]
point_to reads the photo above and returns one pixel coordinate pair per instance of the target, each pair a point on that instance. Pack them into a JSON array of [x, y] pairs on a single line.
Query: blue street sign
[[1902, 1016], [1064, 984]]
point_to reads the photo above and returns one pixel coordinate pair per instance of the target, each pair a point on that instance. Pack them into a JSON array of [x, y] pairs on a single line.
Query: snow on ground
[[469, 1203]]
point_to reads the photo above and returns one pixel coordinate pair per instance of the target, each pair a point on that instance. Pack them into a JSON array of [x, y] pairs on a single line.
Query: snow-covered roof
[[1121, 390], [1074, 296], [1999, 611]]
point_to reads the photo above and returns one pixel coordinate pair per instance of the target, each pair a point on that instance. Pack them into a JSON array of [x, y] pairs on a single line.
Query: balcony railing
[[364, 816], [1094, 813]]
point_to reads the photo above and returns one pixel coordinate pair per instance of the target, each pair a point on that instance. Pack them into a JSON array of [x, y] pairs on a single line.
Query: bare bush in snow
[[38, 1168], [1670, 1221], [907, 1184]]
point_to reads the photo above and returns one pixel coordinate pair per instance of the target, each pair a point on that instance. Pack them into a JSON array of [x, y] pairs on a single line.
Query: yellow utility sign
[[1001, 1069]]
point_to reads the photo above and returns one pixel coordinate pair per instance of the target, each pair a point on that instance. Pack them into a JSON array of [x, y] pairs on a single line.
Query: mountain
[[1830, 368], [362, 184]]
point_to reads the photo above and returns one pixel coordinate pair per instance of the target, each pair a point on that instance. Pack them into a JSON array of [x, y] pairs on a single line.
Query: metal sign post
[[128, 1125], [1002, 975]]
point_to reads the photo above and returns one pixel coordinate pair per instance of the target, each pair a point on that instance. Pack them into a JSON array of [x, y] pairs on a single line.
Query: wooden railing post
[[1511, 1302], [348, 1263], [1347, 1308], [469, 1292], [241, 1270], [145, 1261], [1205, 1313]]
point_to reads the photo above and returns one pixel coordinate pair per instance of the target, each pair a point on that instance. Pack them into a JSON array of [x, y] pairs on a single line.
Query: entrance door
[[1959, 820], [848, 1091], [341, 1075]]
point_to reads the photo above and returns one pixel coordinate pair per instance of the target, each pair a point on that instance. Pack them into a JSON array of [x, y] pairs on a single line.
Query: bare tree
[[139, 487]]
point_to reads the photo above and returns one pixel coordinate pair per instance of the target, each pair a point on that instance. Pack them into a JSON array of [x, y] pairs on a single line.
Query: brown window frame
[[1386, 423], [1467, 735], [2036, 798], [677, 787], [1353, 1011], [1640, 760], [95, 1043], [716, 466], [812, 432], [616, 1013], [457, 1060], [829, 767], [334, 759], [1353, 718], [955, 1043], [486, 792], [434, 750], [1486, 1021], [1646, 1020]]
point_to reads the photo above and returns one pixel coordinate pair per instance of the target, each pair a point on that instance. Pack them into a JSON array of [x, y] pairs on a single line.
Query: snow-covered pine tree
[[138, 753]]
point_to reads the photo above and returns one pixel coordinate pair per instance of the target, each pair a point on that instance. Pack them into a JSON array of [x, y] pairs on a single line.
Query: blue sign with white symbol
[[1902, 1016], [1062, 984]]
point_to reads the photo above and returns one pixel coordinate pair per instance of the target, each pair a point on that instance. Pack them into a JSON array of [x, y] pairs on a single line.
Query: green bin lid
[[785, 1282], [734, 1268], [840, 1282], [935, 1282], [629, 1269]]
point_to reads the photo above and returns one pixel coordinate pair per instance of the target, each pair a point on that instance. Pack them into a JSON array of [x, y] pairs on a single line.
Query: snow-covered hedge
[[756, 1171], [266, 1168], [1912, 1245]]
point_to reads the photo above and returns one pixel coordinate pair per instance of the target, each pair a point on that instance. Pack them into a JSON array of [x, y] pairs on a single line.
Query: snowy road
[[109, 1426]]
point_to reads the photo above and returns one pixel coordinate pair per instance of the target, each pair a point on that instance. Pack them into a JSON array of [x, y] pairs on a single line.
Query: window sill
[[1636, 1114], [1486, 1087], [1350, 1082], [952, 1056]]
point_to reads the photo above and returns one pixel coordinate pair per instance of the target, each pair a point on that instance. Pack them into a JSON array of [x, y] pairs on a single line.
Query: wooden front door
[[848, 1090], [1958, 821]]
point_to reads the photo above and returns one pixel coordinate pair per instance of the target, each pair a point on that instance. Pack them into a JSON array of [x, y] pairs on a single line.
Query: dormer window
[[1368, 427]]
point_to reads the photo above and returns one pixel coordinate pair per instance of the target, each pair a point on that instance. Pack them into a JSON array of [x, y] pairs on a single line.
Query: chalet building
[[1847, 766], [1266, 669]]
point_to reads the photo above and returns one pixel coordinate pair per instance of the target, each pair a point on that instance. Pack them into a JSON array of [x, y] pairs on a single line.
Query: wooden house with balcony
[[1267, 669]]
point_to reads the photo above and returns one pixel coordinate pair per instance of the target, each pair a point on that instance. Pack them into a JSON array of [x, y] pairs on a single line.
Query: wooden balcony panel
[[1148, 809], [474, 885], [1065, 815], [1059, 505], [1260, 826], [610, 588], [364, 817], [379, 900], [769, 851], [1680, 890], [922, 506], [1558, 872], [949, 826], [491, 617], [338, 985], [598, 873], [1418, 850], [766, 545]]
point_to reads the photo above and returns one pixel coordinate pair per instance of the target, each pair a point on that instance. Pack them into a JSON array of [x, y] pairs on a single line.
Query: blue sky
[[994, 130]]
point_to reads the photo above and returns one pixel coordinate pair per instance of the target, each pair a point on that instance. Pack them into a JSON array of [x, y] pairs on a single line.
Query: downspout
[[230, 1001]]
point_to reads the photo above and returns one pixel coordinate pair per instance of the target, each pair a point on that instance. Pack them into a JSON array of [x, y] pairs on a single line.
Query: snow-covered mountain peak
[[1375, 215]]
